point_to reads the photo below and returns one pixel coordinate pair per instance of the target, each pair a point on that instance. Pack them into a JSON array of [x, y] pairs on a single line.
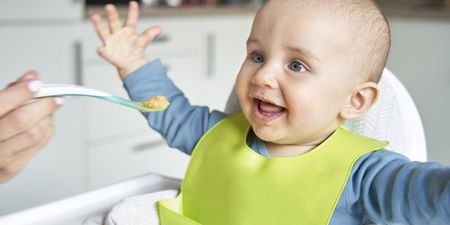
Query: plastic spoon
[[155, 103]]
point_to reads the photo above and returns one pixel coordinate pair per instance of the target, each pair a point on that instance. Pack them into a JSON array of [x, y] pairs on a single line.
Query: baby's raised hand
[[122, 45]]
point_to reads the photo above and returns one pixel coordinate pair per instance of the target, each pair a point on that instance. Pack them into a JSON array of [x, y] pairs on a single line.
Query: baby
[[286, 159]]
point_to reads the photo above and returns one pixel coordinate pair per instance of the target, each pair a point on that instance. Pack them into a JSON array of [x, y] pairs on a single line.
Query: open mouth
[[267, 111]]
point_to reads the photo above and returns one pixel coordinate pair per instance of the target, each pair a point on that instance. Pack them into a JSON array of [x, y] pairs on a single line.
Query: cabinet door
[[55, 172], [226, 38], [13, 10], [132, 156]]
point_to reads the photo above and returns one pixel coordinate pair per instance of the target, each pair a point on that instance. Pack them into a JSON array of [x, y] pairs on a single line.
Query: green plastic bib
[[227, 183]]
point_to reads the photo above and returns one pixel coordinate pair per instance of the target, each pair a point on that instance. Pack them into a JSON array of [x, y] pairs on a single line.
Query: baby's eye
[[297, 66], [257, 58]]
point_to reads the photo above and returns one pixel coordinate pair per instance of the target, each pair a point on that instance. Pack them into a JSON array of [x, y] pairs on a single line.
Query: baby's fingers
[[113, 18], [100, 28], [133, 14], [149, 35]]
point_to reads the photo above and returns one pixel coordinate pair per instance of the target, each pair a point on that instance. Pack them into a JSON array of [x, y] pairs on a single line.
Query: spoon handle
[[48, 90]]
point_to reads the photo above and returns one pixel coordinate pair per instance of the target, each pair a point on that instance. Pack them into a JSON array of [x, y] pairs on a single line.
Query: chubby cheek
[[313, 110], [300, 112], [304, 107], [239, 85], [242, 86]]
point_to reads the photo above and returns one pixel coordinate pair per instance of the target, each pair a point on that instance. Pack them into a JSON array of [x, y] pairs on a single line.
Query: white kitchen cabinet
[[58, 170], [133, 155], [420, 56], [12, 11]]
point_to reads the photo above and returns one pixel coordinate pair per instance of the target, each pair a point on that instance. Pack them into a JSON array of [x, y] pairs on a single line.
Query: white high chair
[[394, 118]]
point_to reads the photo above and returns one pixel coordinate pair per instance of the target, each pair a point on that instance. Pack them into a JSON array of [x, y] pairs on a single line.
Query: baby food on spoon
[[156, 102]]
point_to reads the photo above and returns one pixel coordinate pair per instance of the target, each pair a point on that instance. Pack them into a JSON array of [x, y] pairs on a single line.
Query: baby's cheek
[[241, 88], [240, 82], [302, 110]]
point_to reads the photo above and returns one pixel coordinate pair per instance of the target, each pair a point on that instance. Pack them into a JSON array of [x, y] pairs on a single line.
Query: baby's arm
[[397, 191], [181, 124], [122, 45]]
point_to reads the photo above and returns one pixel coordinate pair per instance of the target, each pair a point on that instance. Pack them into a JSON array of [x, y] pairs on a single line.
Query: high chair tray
[[75, 210]]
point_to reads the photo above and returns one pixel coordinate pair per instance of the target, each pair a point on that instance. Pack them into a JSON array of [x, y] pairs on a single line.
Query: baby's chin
[[280, 136], [267, 134]]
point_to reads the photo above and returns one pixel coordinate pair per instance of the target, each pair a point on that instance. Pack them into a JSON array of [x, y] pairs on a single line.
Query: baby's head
[[311, 64]]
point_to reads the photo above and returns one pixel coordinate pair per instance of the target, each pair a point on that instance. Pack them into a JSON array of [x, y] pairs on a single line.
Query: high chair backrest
[[394, 118]]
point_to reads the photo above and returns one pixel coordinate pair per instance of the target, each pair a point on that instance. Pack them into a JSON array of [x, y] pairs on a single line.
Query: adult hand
[[25, 126], [122, 45]]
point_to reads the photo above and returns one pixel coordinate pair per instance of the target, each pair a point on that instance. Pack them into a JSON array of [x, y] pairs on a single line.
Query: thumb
[[101, 51], [149, 35], [18, 94]]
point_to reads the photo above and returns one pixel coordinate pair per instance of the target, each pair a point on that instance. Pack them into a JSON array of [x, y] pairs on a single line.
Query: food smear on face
[[156, 102]]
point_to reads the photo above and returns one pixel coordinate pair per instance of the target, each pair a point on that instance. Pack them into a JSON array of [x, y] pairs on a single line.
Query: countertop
[[436, 9], [183, 10]]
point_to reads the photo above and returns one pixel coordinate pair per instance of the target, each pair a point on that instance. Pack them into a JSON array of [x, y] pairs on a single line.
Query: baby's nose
[[265, 77]]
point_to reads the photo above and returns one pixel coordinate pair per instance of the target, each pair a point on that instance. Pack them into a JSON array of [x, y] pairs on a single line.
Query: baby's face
[[292, 84]]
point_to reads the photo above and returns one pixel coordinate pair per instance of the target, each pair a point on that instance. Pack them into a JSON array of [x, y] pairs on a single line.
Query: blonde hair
[[373, 42]]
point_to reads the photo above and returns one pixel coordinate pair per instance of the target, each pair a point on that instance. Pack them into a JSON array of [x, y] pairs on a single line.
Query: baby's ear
[[361, 100]]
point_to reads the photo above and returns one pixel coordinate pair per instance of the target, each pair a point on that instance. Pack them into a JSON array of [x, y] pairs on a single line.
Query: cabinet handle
[[78, 62], [151, 145], [161, 39], [167, 67], [210, 55]]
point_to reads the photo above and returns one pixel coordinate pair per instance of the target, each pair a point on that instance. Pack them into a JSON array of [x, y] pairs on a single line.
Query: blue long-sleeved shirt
[[384, 187]]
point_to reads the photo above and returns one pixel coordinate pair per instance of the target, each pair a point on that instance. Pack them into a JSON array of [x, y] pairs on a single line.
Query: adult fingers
[[149, 35], [10, 166], [26, 116], [27, 139], [17, 94], [28, 76], [113, 18], [102, 31], [133, 14]]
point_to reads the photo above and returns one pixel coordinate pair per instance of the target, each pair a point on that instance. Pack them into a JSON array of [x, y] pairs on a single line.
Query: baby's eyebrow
[[252, 40], [304, 52]]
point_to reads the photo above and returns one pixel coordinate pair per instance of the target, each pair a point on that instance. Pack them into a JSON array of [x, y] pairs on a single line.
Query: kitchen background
[[203, 44]]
